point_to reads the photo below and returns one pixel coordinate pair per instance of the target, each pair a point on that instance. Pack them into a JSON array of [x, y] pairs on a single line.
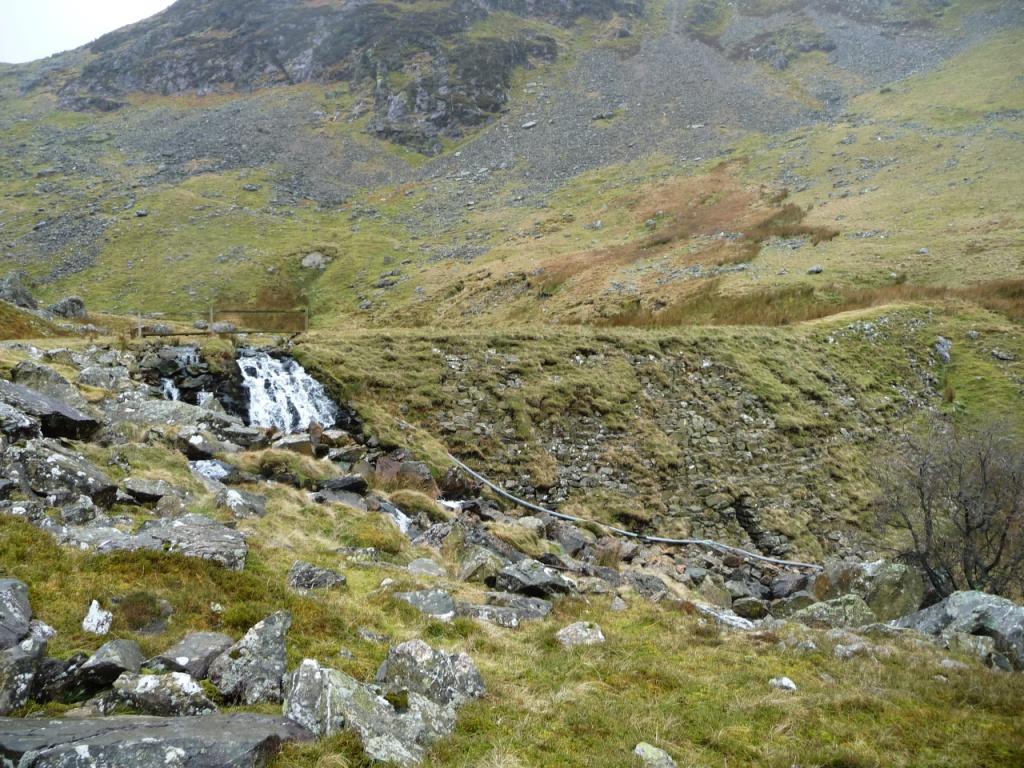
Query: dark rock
[[59, 680], [192, 655], [80, 512], [16, 425], [788, 583], [110, 661], [252, 670], [305, 576], [444, 678], [787, 606], [750, 608], [974, 613], [146, 491], [56, 418], [351, 483], [71, 307], [532, 578], [238, 740], [175, 694], [15, 612]]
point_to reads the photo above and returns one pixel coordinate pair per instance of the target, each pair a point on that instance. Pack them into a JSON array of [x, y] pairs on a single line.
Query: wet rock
[[198, 536], [252, 670], [175, 694], [18, 666], [97, 621], [845, 611], [304, 576], [56, 418], [15, 612], [193, 655], [580, 633], [974, 613], [239, 740], [436, 603], [652, 757], [531, 578], [110, 661], [444, 678], [242, 504]]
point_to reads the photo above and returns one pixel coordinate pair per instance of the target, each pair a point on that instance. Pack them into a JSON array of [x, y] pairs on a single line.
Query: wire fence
[[221, 320]]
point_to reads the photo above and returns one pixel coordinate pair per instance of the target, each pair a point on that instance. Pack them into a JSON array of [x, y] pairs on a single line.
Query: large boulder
[[252, 670], [110, 662], [506, 610], [56, 417], [71, 307], [325, 700], [305, 576], [444, 678], [436, 603], [174, 694], [15, 612], [16, 425], [198, 536], [238, 740], [890, 589], [974, 613], [46, 381], [192, 655], [532, 578], [842, 612], [59, 474], [18, 666], [13, 291]]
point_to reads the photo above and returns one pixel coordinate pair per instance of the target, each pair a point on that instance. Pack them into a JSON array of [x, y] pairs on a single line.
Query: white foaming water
[[283, 395], [169, 391]]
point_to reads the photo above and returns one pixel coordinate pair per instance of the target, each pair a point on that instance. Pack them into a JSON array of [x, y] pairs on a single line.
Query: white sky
[[33, 29]]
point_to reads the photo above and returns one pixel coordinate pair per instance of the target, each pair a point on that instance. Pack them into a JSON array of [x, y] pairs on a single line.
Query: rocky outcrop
[[59, 474], [239, 740], [18, 666], [444, 678], [845, 611], [57, 418], [199, 536], [890, 589], [13, 291], [974, 614], [175, 694]]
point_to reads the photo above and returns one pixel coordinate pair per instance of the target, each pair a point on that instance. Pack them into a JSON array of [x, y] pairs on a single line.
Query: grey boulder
[[71, 307], [15, 612], [56, 418], [174, 694], [192, 655], [110, 662], [532, 578], [199, 536], [242, 504], [59, 474], [842, 612], [444, 678], [239, 740], [890, 589], [506, 610], [580, 633], [18, 666], [652, 757], [305, 576], [13, 291], [252, 670], [436, 603], [974, 613]]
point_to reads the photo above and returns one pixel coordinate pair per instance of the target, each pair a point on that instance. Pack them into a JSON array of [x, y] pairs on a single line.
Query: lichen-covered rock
[[71, 307], [305, 576], [242, 504], [580, 633], [97, 621], [252, 670], [238, 740], [46, 381], [444, 678], [193, 655], [59, 474], [506, 610], [890, 589], [173, 695], [436, 603], [56, 418], [652, 757], [199, 536], [845, 611], [15, 612], [18, 666]]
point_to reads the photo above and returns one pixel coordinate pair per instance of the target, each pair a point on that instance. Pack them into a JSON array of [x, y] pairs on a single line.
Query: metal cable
[[707, 543]]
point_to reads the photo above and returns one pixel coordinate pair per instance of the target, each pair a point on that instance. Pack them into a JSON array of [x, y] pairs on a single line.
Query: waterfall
[[168, 390], [282, 394]]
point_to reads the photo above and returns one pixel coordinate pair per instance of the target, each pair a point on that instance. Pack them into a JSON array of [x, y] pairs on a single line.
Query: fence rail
[[240, 320]]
